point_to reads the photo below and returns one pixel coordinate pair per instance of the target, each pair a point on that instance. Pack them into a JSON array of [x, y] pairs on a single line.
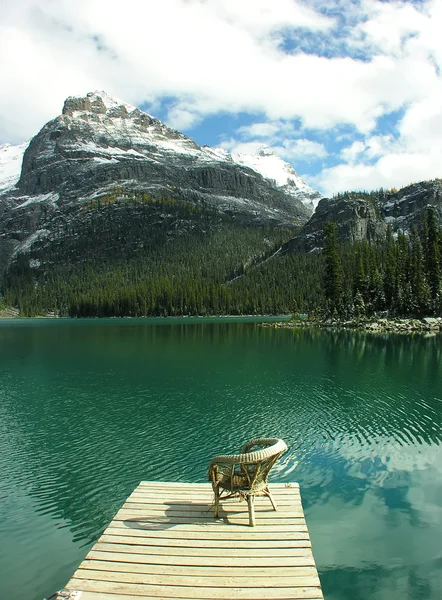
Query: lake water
[[90, 408]]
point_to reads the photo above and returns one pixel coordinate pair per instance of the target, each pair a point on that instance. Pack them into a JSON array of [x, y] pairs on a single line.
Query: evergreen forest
[[134, 255]]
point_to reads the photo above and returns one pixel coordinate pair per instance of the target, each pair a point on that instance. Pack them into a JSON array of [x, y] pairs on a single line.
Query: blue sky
[[349, 92]]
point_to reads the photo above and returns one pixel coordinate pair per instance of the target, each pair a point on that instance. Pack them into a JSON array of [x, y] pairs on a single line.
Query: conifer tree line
[[134, 255], [401, 274]]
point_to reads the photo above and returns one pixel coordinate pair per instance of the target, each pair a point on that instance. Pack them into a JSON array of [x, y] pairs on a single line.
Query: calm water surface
[[90, 408]]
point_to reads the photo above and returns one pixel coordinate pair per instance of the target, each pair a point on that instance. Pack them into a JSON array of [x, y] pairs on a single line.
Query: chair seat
[[239, 483]]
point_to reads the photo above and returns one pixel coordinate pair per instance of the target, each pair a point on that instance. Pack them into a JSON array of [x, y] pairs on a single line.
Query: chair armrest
[[275, 446]]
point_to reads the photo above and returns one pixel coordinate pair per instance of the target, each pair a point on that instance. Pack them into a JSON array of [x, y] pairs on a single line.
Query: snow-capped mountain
[[125, 145], [99, 144]]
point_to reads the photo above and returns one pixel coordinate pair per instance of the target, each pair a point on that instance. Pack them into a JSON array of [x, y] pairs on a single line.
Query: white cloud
[[182, 119], [213, 56], [278, 136], [421, 126], [259, 130], [263, 17], [227, 57], [403, 29], [383, 161], [396, 169], [300, 149], [379, 145], [233, 145], [350, 153]]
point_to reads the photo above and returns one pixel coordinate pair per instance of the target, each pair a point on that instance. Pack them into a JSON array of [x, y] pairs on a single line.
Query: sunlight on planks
[[165, 543]]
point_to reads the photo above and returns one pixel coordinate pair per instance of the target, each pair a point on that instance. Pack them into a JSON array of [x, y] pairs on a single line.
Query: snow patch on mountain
[[27, 200], [269, 165], [11, 158], [109, 101], [27, 244], [273, 167]]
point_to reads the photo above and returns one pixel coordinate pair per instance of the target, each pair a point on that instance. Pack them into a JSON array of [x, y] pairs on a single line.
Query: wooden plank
[[202, 551], [208, 511], [208, 491], [195, 581], [284, 494], [208, 499], [208, 561], [125, 538], [207, 494], [260, 504], [199, 571], [133, 529], [155, 591], [212, 526], [205, 485], [232, 519], [112, 596], [208, 508]]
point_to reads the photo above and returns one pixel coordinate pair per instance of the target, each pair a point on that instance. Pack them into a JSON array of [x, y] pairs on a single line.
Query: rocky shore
[[427, 325], [9, 313]]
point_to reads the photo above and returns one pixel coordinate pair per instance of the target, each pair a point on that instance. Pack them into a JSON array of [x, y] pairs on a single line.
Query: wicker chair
[[246, 474]]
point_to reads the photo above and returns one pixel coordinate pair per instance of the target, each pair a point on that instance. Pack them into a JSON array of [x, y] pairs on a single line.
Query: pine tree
[[390, 267], [419, 285], [433, 257], [333, 272]]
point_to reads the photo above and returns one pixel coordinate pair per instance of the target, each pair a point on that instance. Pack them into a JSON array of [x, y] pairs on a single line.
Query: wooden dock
[[165, 543]]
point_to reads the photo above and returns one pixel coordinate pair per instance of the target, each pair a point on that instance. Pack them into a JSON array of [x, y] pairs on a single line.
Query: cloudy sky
[[349, 92]]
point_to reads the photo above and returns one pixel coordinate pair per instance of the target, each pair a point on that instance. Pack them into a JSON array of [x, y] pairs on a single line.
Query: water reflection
[[87, 410]]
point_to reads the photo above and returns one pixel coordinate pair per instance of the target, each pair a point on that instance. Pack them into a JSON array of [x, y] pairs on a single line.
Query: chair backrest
[[250, 469]]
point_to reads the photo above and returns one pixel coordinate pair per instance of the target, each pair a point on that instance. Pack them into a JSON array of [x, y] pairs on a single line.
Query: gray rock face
[[98, 143], [404, 208], [361, 218], [357, 219]]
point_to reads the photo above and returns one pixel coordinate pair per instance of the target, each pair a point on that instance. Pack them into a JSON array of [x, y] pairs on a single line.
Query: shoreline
[[13, 314], [426, 325]]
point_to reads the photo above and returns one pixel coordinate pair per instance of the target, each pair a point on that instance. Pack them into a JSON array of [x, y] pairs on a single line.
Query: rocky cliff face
[[98, 143], [404, 208], [366, 216], [357, 219]]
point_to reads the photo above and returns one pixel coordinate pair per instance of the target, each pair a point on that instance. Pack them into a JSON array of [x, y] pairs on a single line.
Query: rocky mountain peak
[[98, 102]]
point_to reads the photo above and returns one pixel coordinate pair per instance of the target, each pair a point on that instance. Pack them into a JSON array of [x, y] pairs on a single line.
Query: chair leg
[[216, 508], [251, 502], [272, 500]]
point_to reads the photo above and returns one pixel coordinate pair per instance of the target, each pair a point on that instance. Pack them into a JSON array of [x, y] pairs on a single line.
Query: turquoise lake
[[90, 408]]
